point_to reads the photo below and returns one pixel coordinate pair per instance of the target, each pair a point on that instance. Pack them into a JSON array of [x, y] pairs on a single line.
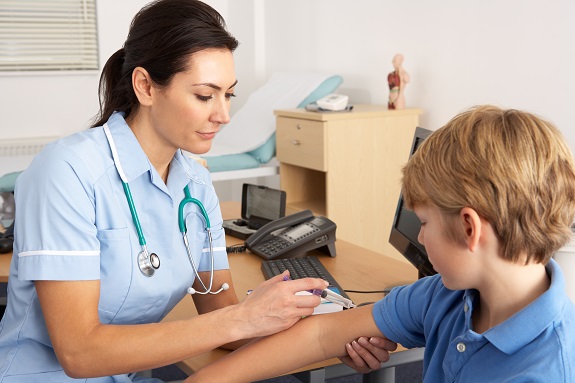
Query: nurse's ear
[[142, 84]]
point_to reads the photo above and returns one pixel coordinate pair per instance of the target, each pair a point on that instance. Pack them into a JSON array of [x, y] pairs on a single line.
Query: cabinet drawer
[[301, 142]]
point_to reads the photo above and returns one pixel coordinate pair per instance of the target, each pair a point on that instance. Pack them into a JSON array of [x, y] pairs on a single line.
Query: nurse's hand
[[367, 354], [273, 305]]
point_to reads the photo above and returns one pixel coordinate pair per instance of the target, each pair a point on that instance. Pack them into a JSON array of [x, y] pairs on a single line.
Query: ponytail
[[115, 91]]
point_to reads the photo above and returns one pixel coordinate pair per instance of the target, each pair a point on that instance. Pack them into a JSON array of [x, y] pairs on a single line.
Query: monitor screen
[[406, 225]]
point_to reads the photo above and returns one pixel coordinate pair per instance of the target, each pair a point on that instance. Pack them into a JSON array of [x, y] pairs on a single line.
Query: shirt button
[[465, 307], [461, 347]]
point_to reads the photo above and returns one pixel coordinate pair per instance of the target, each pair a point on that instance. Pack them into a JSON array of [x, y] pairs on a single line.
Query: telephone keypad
[[273, 246]]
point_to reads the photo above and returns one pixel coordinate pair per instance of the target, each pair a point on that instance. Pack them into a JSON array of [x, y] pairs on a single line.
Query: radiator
[[23, 146], [17, 153]]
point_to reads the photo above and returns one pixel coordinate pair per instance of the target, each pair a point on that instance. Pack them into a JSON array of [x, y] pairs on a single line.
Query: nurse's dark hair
[[162, 36]]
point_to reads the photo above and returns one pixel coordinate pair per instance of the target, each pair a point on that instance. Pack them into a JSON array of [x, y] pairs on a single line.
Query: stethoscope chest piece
[[148, 263]]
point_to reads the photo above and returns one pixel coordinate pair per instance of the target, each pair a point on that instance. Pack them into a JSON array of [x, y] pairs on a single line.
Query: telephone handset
[[292, 235]]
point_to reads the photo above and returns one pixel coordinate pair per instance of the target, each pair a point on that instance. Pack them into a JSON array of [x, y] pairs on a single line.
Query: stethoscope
[[149, 263]]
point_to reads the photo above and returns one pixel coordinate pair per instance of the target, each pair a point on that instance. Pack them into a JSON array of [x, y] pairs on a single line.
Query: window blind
[[48, 35]]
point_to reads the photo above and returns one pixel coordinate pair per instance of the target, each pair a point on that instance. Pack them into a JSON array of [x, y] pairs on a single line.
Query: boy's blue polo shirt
[[537, 344]]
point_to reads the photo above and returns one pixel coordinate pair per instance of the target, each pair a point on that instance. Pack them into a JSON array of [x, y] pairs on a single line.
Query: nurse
[[82, 302]]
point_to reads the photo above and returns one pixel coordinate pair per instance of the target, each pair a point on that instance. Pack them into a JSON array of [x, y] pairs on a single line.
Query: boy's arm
[[314, 339]]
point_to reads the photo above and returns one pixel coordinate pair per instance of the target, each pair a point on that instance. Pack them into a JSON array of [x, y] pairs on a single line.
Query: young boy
[[495, 192]]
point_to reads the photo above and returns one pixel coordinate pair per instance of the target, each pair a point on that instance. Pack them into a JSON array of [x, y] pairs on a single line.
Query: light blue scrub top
[[537, 344], [73, 223]]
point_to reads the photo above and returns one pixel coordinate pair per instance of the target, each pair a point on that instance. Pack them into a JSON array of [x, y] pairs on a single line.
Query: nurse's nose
[[221, 112]]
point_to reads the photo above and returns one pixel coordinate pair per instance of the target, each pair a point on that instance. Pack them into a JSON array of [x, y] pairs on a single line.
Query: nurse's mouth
[[208, 136]]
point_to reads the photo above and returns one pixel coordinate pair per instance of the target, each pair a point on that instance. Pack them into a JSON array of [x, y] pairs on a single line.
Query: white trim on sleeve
[[61, 252], [207, 250]]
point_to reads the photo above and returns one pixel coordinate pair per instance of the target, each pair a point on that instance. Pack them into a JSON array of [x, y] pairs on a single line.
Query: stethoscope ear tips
[[193, 291]]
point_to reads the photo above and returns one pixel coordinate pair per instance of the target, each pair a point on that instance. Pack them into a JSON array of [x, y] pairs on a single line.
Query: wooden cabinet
[[347, 166]]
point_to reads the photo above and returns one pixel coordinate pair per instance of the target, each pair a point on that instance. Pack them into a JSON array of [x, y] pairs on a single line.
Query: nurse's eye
[[203, 98], [230, 95]]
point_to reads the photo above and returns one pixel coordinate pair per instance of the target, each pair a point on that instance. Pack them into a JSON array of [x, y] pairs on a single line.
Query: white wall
[[514, 53]]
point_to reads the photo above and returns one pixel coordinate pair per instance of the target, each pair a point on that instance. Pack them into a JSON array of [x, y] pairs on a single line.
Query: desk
[[350, 267], [5, 266]]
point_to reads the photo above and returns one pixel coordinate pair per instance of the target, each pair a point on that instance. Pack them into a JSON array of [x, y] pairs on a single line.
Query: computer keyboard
[[302, 267]]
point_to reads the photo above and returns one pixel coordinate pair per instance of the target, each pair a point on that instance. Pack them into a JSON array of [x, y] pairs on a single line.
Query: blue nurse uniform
[[73, 223]]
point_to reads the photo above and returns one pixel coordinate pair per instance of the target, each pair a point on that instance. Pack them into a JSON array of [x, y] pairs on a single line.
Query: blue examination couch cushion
[[8, 181], [232, 162]]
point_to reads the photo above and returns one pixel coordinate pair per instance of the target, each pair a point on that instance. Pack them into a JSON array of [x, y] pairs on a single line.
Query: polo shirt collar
[[527, 324], [134, 160]]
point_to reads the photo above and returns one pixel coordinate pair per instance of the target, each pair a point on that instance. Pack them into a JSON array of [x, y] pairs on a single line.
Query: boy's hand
[[365, 355]]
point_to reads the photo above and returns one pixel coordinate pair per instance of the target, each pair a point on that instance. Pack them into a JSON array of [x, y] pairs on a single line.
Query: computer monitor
[[406, 225]]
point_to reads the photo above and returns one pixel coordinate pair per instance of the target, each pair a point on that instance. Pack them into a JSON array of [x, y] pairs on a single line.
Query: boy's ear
[[472, 227], [142, 84]]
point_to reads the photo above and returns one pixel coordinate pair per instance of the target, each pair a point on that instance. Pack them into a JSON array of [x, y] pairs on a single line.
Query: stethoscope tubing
[[134, 214], [188, 198]]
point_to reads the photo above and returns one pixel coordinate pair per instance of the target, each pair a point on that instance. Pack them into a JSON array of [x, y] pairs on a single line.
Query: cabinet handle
[[298, 126], [295, 142]]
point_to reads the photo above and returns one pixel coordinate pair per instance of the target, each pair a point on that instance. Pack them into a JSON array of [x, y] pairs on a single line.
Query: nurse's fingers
[[296, 285], [307, 301], [305, 284], [276, 278]]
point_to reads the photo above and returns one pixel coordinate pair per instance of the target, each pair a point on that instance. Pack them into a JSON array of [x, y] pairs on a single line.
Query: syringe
[[333, 297]]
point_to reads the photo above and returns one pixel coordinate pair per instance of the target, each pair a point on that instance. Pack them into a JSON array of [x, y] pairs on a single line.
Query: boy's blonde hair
[[512, 167]]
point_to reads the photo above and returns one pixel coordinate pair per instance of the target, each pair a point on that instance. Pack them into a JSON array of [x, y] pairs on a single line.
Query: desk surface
[[350, 268], [5, 266]]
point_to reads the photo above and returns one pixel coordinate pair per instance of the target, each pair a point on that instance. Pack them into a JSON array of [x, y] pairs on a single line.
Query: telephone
[[292, 235], [333, 102]]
